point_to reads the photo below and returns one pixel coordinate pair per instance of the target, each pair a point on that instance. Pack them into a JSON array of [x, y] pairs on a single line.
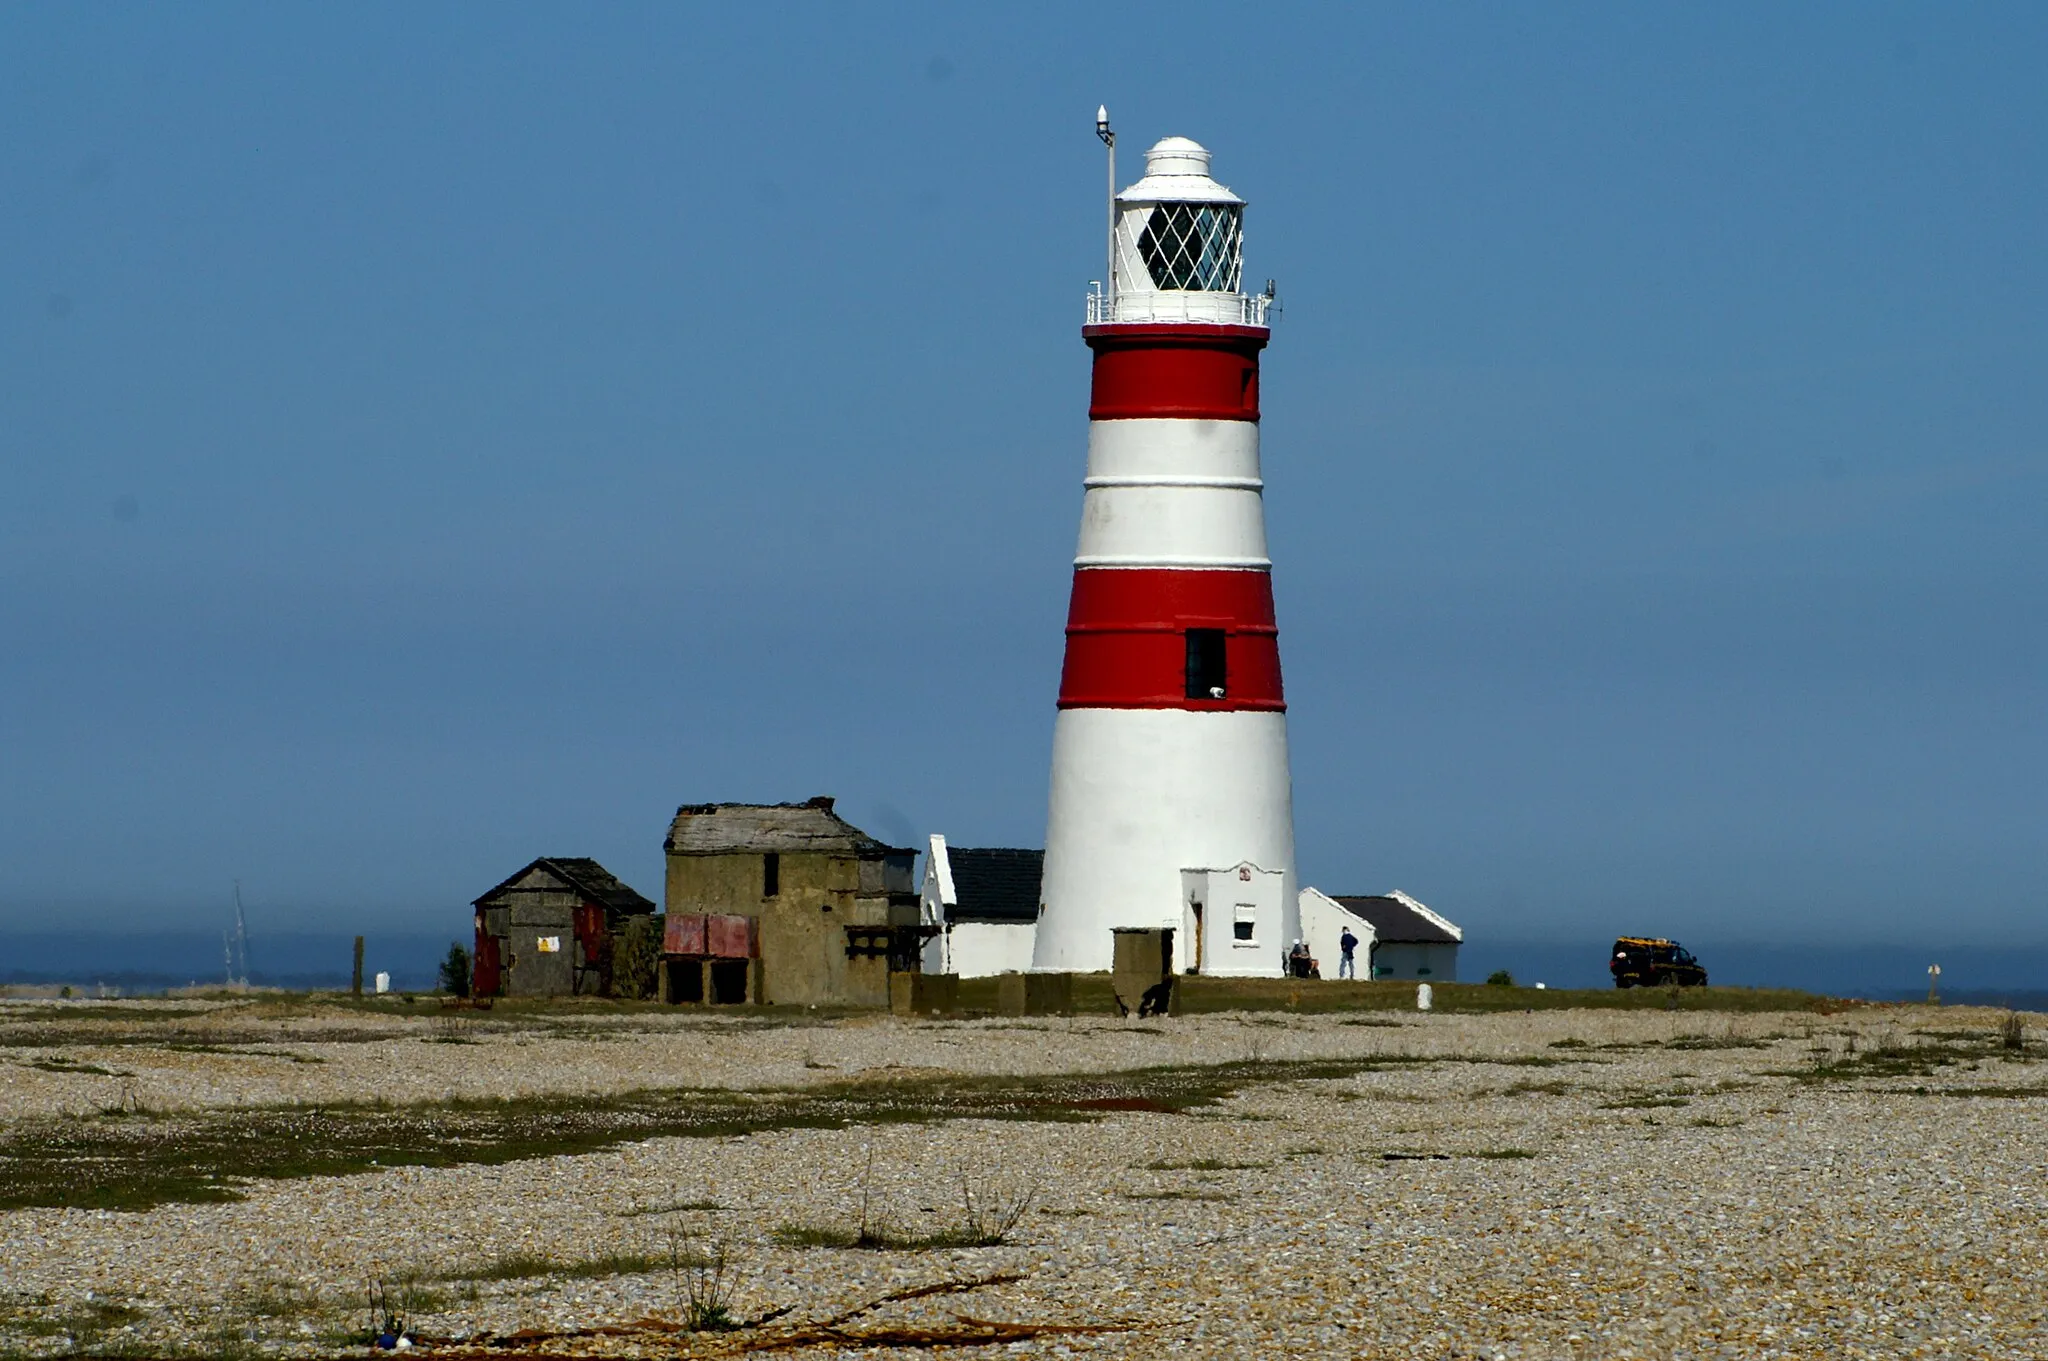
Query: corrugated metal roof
[[581, 875], [729, 828], [1398, 919], [995, 884]]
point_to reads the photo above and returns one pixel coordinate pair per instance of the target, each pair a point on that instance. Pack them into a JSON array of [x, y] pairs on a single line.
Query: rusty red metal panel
[[731, 937], [684, 936], [590, 932], [485, 981]]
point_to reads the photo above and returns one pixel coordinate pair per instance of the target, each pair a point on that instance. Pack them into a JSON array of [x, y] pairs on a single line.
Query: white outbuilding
[[1397, 936], [984, 902]]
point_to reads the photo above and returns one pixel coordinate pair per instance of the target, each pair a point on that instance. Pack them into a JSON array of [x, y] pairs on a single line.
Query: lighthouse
[[1171, 806]]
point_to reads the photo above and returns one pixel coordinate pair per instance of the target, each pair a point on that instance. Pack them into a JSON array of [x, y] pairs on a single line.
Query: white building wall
[[982, 949], [1216, 901], [1323, 920], [1428, 963], [935, 894]]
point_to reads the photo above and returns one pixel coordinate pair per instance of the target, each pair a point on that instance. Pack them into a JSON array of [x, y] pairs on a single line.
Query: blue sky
[[436, 436]]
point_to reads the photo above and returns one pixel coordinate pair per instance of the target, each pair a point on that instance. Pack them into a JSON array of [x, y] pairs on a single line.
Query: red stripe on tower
[[1175, 372]]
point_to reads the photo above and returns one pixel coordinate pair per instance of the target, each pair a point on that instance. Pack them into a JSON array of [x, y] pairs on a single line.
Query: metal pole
[[1112, 223], [355, 986], [1108, 136]]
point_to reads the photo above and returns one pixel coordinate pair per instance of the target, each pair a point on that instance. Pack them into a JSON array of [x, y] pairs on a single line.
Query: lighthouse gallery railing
[[1141, 306]]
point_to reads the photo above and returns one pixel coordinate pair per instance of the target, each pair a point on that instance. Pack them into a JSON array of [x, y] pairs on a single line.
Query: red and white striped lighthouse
[[1171, 804]]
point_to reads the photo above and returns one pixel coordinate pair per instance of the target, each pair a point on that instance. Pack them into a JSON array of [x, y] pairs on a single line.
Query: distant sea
[[151, 961], [144, 962]]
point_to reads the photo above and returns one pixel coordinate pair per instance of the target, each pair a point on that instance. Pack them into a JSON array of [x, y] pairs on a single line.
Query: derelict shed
[[547, 931], [834, 910]]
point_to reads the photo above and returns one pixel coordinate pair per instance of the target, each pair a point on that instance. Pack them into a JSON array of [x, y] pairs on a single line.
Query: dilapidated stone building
[[548, 930], [835, 911]]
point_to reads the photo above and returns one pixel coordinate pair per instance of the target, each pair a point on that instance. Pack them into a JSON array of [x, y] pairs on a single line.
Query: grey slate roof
[[729, 828], [1394, 922], [596, 883], [996, 884]]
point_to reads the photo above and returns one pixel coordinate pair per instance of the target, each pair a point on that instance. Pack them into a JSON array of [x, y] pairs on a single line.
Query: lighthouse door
[[1195, 937]]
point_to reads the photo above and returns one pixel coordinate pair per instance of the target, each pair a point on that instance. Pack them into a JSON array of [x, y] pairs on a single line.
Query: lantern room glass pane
[[1196, 246]]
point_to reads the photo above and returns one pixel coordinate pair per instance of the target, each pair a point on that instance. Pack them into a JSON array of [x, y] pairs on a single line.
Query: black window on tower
[[1205, 664], [771, 874]]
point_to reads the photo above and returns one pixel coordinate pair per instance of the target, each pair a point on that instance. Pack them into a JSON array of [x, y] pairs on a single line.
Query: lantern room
[[1178, 247]]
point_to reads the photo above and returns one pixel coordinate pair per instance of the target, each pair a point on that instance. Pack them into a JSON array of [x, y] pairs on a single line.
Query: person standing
[[1347, 967]]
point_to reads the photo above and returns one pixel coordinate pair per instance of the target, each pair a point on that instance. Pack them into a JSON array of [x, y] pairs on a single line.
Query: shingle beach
[[1559, 1183]]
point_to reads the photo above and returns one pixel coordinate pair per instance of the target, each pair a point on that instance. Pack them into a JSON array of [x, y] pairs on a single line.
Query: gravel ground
[[1639, 1184]]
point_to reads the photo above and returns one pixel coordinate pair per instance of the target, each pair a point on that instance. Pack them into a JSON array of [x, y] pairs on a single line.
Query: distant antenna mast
[[1108, 136], [241, 952]]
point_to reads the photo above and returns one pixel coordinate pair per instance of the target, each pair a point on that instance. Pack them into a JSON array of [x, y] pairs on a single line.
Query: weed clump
[[984, 1222]]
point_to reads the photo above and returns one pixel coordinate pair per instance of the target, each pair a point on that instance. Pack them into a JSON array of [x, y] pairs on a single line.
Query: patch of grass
[[1200, 1165], [1541, 1088], [1501, 1153], [884, 1239], [1645, 1103], [673, 1207], [244, 1052], [1203, 994], [1894, 1057], [526, 1266], [1716, 1042], [64, 1065], [984, 1222], [1179, 1193], [87, 1324], [279, 1299], [138, 1161], [1709, 1122]]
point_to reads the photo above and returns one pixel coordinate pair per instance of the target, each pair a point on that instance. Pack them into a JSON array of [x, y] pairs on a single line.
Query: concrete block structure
[[833, 910]]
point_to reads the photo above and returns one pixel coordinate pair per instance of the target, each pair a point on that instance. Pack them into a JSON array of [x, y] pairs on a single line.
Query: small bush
[[455, 972], [2012, 1032], [704, 1284], [638, 956], [1501, 978]]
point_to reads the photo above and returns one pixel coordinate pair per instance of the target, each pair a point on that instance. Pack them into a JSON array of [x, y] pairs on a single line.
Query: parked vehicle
[[1654, 962]]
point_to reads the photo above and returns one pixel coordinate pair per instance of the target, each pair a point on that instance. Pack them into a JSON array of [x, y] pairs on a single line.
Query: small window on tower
[[771, 874], [1205, 664]]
